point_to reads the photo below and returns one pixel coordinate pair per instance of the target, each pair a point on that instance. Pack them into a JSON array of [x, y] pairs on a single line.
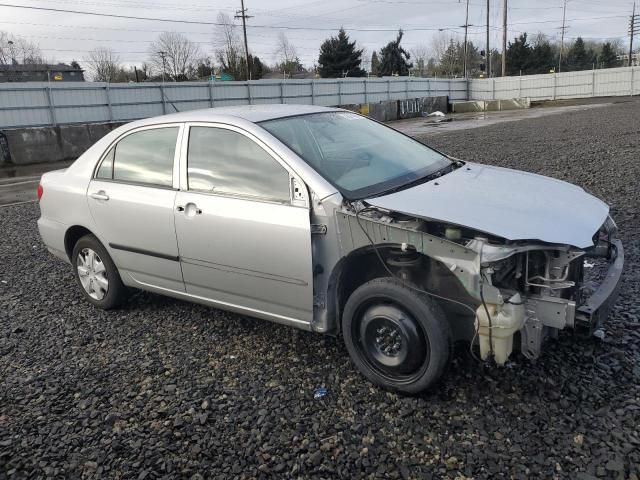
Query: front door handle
[[100, 195]]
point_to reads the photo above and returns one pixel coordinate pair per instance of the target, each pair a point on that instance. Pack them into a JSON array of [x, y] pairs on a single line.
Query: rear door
[[244, 241], [131, 198]]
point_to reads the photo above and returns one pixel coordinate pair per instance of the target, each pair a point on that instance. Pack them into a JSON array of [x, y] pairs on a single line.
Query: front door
[[131, 199], [244, 243]]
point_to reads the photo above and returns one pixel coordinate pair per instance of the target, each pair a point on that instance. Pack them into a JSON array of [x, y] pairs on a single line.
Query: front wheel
[[396, 336]]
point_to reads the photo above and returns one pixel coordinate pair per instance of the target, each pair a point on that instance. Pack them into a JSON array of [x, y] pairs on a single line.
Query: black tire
[[115, 292], [396, 336]]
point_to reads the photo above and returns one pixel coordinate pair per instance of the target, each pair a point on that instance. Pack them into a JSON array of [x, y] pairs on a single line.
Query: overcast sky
[[65, 36]]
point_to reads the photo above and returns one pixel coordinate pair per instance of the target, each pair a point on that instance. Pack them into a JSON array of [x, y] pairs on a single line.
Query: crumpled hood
[[508, 203]]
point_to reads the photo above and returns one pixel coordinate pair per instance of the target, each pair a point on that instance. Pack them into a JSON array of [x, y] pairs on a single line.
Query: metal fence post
[[493, 90], [313, 92], [107, 91], [366, 99], [52, 107], [211, 100], [406, 88], [593, 83], [164, 105], [388, 89], [281, 91], [249, 93], [339, 92], [631, 74], [554, 86], [520, 87]]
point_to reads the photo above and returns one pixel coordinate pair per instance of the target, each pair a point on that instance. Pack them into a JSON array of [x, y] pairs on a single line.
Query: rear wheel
[[96, 274], [397, 337]]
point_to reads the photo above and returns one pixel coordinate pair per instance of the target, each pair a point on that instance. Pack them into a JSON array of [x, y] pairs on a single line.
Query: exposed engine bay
[[505, 290]]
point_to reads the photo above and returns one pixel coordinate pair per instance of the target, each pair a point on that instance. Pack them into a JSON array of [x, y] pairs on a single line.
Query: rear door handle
[[190, 209], [100, 195]]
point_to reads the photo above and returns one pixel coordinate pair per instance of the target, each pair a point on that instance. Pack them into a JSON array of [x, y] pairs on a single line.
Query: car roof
[[251, 113]]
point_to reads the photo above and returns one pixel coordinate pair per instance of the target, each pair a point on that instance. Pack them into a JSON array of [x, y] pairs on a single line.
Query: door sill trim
[[294, 322]]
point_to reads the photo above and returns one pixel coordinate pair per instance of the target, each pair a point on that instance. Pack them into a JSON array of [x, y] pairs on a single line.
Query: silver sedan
[[324, 220]]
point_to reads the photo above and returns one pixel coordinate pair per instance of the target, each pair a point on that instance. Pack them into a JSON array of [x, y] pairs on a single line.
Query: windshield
[[361, 158]]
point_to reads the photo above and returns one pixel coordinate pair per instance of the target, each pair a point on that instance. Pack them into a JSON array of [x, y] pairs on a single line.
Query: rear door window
[[146, 157]]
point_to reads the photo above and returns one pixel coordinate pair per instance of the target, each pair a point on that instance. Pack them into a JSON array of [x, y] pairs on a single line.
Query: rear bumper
[[52, 234], [594, 311]]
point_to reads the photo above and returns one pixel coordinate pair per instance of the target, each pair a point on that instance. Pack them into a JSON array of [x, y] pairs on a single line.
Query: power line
[[199, 22], [276, 27]]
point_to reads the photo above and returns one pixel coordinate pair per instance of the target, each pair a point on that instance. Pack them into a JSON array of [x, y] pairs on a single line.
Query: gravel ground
[[163, 388]]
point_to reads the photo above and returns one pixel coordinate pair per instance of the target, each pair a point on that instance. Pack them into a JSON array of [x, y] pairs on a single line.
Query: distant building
[[40, 73], [290, 76]]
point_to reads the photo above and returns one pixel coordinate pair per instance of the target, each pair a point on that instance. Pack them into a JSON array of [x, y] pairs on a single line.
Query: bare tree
[[446, 52], [103, 65], [286, 54], [174, 54], [420, 54], [285, 50], [366, 58], [229, 50], [16, 49]]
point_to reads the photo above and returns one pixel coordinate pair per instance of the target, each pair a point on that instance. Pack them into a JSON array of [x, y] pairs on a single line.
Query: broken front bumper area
[[545, 313], [594, 310]]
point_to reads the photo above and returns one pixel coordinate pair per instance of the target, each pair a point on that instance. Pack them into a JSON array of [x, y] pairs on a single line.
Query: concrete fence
[[583, 84], [52, 104]]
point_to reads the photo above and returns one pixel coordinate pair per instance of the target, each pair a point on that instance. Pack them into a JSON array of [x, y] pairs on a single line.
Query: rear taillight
[[40, 192]]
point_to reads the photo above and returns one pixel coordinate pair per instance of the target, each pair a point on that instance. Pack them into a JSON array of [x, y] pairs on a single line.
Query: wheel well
[[363, 265], [72, 236]]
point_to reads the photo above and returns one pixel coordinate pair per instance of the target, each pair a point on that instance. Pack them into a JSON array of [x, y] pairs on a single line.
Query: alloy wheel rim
[[92, 274]]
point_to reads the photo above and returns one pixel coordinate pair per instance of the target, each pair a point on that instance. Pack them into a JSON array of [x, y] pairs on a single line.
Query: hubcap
[[92, 274], [391, 341]]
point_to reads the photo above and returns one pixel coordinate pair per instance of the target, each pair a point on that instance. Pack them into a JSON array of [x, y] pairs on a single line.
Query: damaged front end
[[510, 288]]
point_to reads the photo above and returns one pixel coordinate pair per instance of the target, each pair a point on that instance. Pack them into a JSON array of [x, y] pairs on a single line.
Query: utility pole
[[163, 55], [488, 57], [563, 28], [634, 24], [504, 38], [243, 15], [466, 28]]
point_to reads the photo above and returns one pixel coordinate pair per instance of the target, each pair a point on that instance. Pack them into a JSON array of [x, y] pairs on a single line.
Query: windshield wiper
[[417, 181]]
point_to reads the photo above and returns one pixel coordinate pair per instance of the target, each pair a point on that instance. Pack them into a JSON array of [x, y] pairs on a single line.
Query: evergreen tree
[[395, 59], [608, 57], [518, 55], [375, 64], [257, 68], [543, 57], [451, 61], [578, 58], [474, 59], [339, 56]]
